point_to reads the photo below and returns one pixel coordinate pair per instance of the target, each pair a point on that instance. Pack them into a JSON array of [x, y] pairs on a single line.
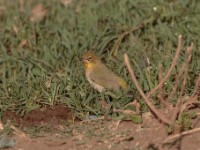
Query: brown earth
[[99, 134], [52, 115]]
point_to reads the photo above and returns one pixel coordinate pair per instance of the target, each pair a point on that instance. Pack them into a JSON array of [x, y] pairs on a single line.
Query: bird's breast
[[95, 85]]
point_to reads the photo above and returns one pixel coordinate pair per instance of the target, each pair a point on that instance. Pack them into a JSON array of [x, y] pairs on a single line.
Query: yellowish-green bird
[[99, 76]]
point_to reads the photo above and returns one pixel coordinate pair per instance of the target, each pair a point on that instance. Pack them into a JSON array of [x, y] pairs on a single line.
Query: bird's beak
[[81, 59]]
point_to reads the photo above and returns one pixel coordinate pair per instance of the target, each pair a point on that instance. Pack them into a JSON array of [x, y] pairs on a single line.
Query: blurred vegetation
[[40, 60]]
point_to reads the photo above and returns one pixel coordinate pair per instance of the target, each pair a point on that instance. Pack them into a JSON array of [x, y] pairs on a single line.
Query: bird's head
[[90, 60]]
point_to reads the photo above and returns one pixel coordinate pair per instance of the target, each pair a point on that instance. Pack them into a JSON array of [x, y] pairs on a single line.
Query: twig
[[188, 103], [188, 51], [122, 36], [178, 79], [160, 76], [196, 87], [17, 131], [178, 103], [160, 94], [1, 126], [152, 108], [128, 112], [170, 69], [136, 104], [173, 137]]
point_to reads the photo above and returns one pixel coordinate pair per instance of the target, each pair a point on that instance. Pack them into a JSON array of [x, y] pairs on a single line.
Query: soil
[[52, 115], [57, 131]]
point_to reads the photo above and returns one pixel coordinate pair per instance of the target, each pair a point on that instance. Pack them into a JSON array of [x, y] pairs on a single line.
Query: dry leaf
[[1, 126], [22, 43], [48, 83], [103, 104], [15, 29], [66, 2], [18, 131], [2, 10], [21, 5], [38, 13]]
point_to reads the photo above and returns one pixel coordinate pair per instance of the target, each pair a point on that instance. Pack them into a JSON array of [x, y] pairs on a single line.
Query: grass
[[46, 70]]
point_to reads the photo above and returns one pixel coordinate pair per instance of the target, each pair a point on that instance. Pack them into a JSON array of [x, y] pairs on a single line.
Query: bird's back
[[106, 78]]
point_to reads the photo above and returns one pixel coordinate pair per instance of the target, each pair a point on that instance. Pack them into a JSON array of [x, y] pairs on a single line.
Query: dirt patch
[[13, 117], [107, 134], [97, 134], [52, 115]]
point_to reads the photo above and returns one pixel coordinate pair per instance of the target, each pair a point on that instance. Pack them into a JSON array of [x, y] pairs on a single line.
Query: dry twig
[[160, 94], [196, 87], [136, 104], [128, 112], [173, 137], [160, 76], [122, 36], [170, 69], [18, 132], [1, 126], [152, 108], [188, 51], [190, 101], [178, 103], [178, 79], [146, 98]]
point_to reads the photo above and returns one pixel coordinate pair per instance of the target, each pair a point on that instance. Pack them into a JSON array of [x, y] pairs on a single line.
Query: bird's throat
[[88, 65]]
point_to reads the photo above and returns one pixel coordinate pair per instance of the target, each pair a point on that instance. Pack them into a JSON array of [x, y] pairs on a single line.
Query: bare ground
[[48, 129]]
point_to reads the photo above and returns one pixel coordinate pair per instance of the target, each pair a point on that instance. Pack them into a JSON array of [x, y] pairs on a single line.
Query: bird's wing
[[104, 77], [122, 83]]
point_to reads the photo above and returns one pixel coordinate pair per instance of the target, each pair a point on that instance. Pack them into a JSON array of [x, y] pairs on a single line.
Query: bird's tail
[[122, 83]]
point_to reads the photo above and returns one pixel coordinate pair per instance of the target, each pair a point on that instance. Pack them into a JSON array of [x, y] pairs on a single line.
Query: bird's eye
[[89, 58]]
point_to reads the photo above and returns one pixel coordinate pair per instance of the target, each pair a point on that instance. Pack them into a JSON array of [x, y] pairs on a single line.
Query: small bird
[[99, 76]]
